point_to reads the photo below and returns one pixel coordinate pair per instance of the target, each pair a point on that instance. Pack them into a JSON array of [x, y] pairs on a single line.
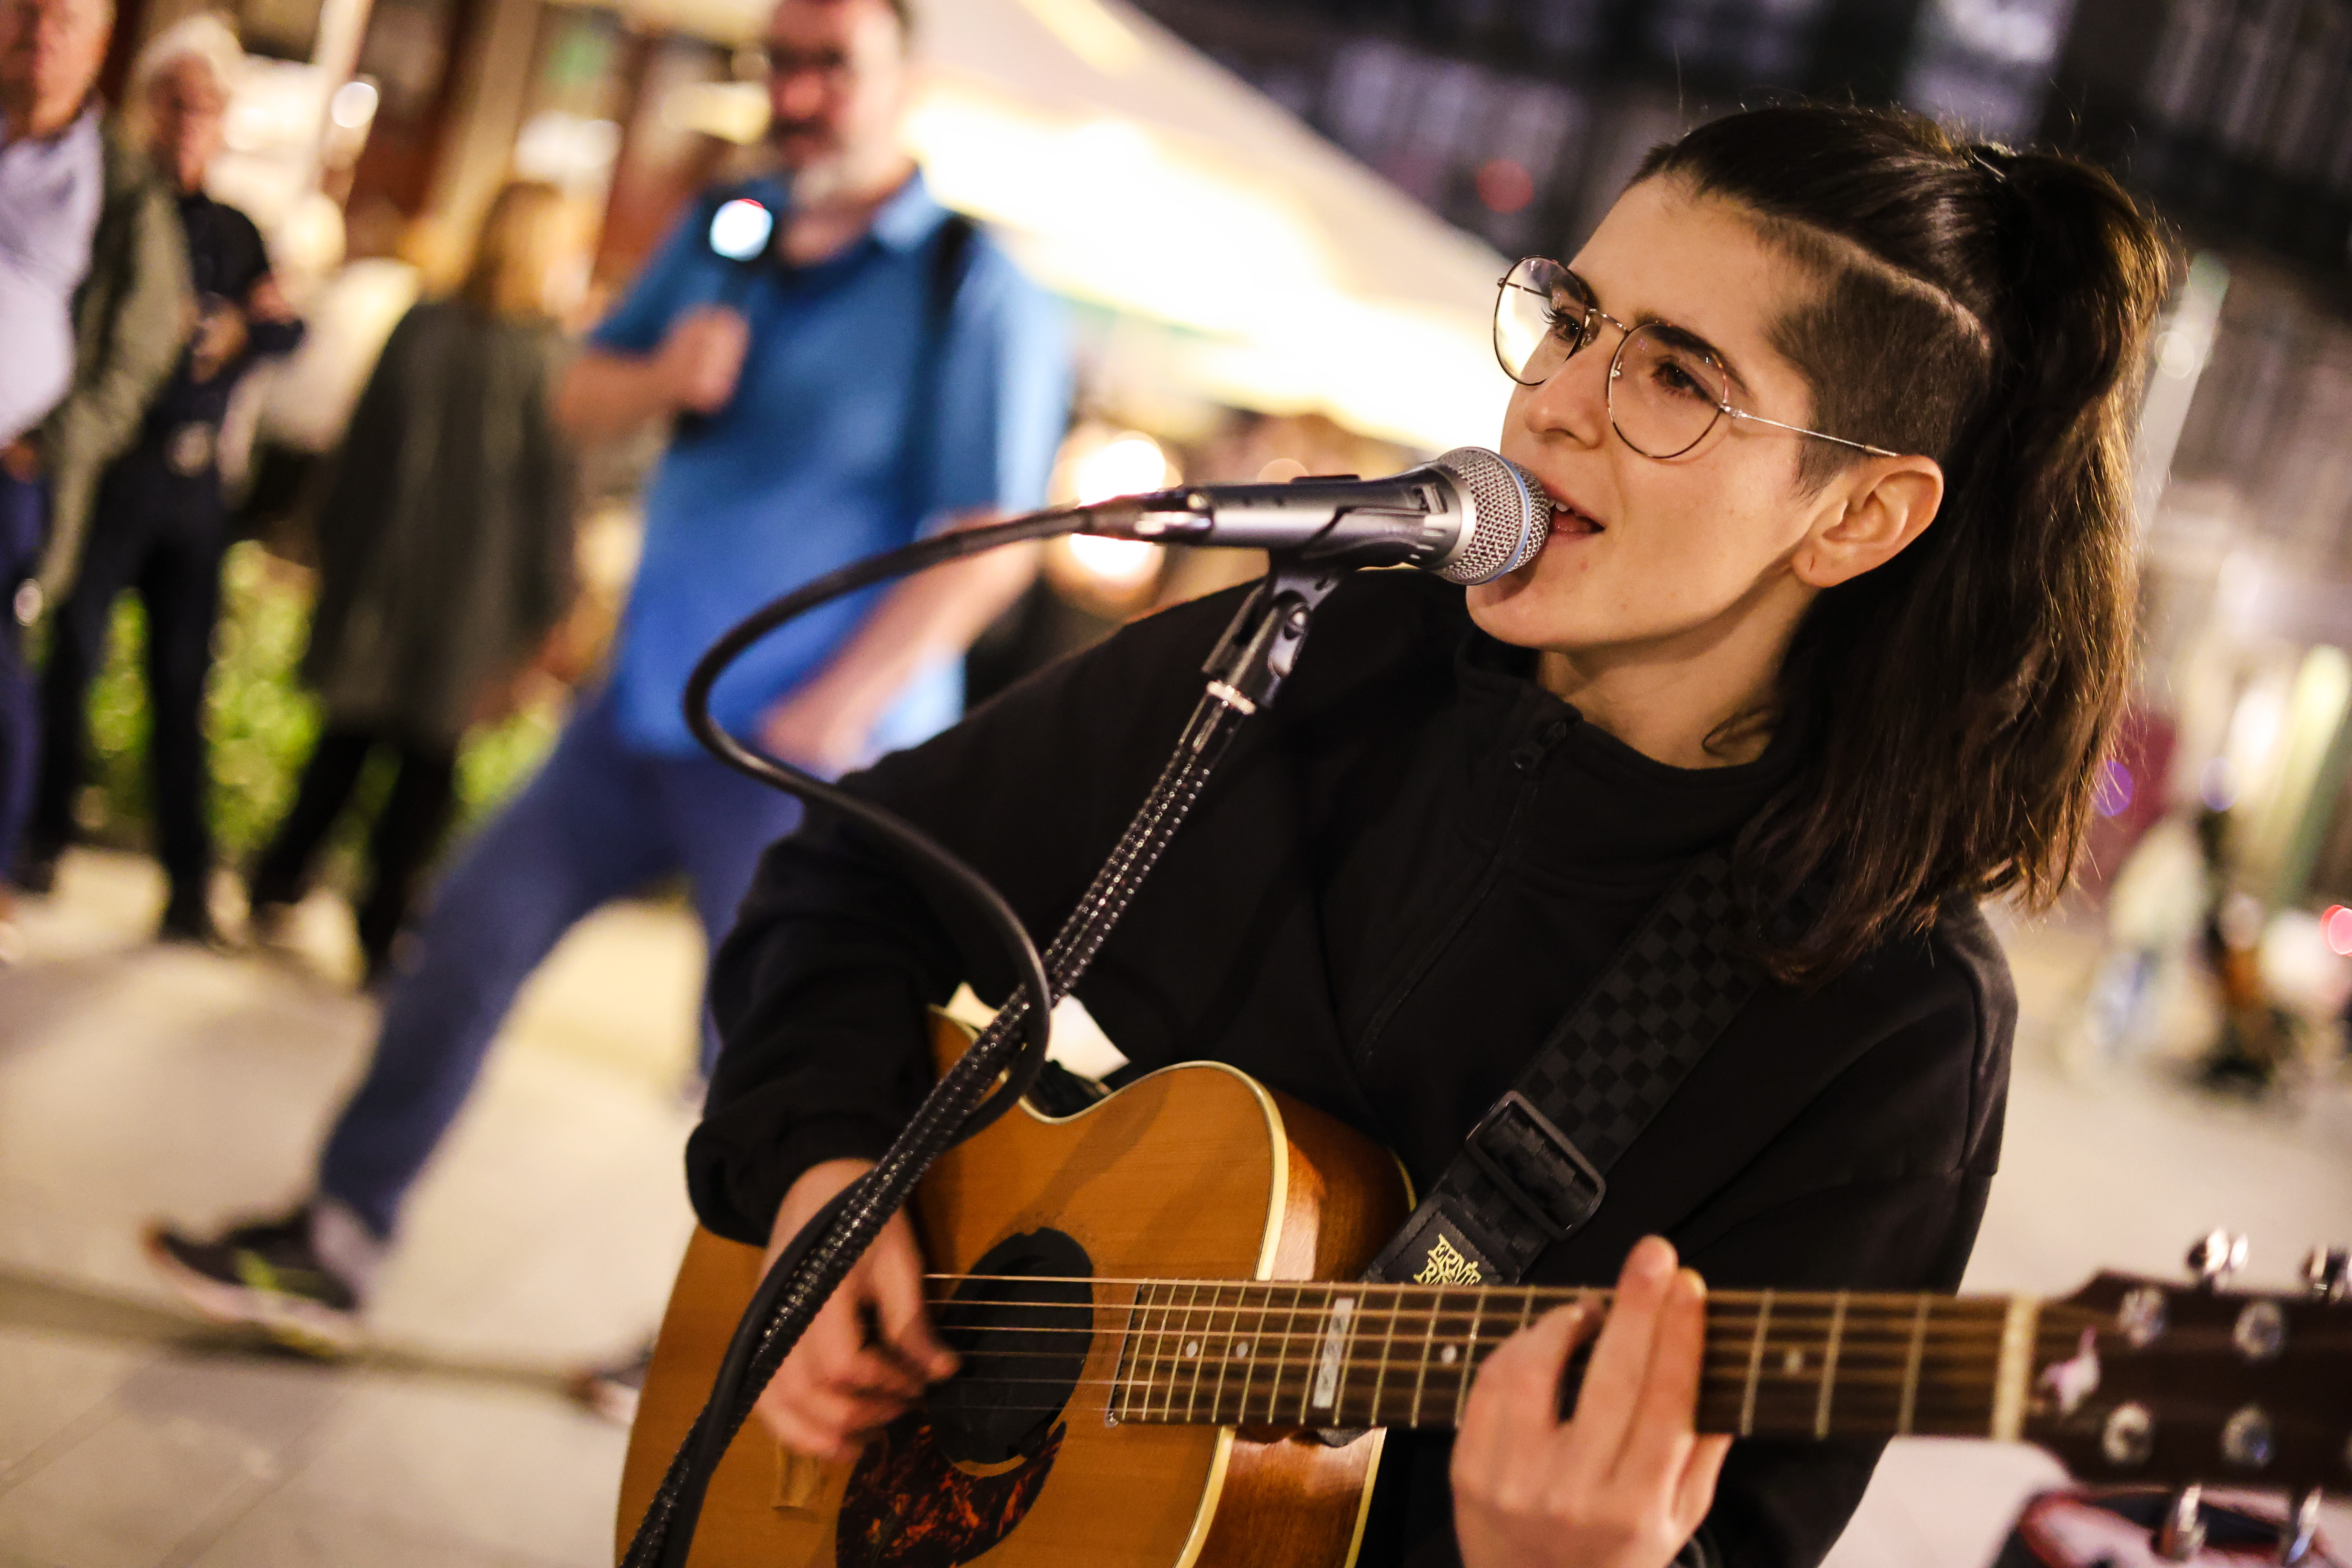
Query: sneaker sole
[[299, 1325]]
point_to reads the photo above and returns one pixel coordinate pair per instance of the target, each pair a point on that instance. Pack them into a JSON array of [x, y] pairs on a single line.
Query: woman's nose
[[1574, 402]]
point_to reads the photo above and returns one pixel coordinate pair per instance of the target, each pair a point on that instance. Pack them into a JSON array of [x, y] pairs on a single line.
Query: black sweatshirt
[[1403, 874]]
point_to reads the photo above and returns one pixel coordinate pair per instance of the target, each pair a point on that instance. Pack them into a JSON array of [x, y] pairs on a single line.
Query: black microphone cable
[[1255, 655], [1012, 1046], [822, 1251]]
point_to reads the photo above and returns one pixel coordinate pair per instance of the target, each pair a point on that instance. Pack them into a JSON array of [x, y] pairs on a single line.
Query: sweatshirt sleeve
[[151, 306], [820, 991]]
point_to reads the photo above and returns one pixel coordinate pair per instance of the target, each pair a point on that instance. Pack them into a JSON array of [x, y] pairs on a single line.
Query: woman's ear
[[1877, 509]]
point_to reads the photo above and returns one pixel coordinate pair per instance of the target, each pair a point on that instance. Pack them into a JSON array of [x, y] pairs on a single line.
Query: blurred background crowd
[[251, 260]]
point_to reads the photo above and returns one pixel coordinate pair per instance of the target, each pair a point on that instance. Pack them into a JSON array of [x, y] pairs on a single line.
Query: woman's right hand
[[870, 1352]]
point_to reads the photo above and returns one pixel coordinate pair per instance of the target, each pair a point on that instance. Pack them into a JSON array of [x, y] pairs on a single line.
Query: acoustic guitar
[[1163, 1364]]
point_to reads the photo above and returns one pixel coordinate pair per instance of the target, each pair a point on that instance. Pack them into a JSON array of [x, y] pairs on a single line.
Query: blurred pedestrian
[[444, 558], [50, 175], [159, 523], [871, 367], [93, 294]]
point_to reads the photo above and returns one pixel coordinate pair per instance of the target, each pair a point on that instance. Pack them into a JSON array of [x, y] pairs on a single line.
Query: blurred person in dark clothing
[[94, 295], [160, 522], [445, 559]]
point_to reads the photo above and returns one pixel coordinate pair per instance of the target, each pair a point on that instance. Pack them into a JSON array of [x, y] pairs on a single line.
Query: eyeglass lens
[[1665, 395]]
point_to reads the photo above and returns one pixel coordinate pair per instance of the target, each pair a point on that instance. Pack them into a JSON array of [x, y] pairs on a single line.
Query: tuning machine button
[[2329, 1272], [2259, 1333], [2216, 1256], [2141, 1316], [2249, 1440], [2128, 1437]]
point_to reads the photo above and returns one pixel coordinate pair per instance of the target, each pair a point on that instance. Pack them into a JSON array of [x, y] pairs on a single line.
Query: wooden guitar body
[[1194, 1172]]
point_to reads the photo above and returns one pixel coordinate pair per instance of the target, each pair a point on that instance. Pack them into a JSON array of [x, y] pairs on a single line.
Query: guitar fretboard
[[1791, 1363]]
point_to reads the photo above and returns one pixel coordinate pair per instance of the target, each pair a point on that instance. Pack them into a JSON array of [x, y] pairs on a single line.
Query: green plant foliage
[[260, 722]]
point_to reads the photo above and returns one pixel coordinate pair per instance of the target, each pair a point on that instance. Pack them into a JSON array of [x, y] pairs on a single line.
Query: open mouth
[[1567, 521]]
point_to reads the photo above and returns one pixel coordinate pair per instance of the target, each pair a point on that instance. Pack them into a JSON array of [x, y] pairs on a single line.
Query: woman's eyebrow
[[1682, 335], [1690, 340]]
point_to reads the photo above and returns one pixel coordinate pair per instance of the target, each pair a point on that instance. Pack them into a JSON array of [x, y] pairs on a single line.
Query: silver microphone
[[1469, 516]]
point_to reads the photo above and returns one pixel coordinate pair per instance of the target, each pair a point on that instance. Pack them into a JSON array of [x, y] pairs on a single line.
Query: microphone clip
[[1260, 648]]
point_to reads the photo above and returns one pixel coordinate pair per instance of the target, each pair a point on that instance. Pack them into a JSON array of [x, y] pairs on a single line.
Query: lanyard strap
[[1535, 1168]]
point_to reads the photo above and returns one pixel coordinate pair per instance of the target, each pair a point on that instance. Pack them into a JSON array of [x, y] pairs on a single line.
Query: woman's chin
[[1505, 610]]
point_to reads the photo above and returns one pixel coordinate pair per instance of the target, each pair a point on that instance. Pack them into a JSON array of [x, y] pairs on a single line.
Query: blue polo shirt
[[850, 432]]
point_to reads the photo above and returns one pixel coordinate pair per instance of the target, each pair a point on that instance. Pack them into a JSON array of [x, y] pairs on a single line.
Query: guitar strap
[[1535, 1168]]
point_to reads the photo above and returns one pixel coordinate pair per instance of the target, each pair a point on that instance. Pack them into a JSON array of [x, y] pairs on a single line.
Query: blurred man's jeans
[[599, 822]]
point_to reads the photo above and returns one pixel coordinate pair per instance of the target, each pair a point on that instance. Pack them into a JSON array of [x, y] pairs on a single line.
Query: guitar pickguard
[[910, 1506]]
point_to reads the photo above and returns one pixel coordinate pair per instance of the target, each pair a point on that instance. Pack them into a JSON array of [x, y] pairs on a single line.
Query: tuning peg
[[2181, 1534], [2301, 1529], [2329, 1272], [2216, 1256]]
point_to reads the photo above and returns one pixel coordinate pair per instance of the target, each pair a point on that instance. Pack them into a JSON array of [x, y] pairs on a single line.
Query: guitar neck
[[1812, 1364]]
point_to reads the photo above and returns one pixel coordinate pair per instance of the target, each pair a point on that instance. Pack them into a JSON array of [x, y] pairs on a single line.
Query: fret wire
[[1167, 1305], [1348, 1325], [1256, 1343], [1138, 1373], [1462, 1392], [1185, 1354], [1120, 1367], [1274, 1389], [1314, 1350], [1755, 1365], [1911, 1368], [1388, 1343], [1140, 1313], [1829, 1368], [1428, 1342], [1232, 1326]]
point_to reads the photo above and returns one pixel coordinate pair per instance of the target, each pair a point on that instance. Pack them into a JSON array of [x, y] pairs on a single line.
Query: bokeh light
[[1505, 184], [2336, 924], [2116, 787]]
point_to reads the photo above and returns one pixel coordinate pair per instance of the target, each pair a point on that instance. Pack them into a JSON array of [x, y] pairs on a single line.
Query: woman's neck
[[1695, 713]]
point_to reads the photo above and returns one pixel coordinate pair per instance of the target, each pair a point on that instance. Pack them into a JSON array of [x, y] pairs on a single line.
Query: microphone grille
[[1510, 516]]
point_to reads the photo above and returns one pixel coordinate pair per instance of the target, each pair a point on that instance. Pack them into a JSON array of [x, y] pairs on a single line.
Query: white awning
[[1128, 171]]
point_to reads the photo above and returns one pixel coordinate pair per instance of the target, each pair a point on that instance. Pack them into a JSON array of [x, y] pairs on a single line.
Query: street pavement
[[138, 1081]]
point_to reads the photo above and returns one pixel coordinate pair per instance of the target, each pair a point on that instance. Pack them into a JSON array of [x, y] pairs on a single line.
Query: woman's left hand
[[1625, 1482]]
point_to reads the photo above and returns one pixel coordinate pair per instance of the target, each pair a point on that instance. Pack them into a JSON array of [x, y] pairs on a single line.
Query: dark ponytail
[[1991, 309]]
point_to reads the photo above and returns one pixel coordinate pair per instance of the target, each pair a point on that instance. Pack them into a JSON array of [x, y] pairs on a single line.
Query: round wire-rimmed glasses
[[1666, 388]]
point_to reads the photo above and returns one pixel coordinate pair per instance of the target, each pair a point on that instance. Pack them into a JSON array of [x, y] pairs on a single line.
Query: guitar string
[[1715, 1324], [1795, 1412]]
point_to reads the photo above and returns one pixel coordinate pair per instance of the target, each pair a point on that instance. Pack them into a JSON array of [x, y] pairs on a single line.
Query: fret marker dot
[[1448, 1355], [1241, 1350], [1192, 1349], [1793, 1363]]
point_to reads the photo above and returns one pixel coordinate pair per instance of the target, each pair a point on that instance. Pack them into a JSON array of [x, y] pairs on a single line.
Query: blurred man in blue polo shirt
[[873, 369]]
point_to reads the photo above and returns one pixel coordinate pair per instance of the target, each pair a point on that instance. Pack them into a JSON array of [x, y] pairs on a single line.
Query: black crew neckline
[[1600, 805]]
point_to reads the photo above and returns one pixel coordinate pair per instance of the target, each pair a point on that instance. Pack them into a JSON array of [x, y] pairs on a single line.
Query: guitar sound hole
[[1022, 1339]]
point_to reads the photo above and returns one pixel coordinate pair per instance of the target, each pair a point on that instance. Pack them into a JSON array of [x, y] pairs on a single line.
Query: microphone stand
[[1251, 660]]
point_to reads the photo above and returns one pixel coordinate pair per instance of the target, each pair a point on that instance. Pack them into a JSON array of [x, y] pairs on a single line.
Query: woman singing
[[1832, 413]]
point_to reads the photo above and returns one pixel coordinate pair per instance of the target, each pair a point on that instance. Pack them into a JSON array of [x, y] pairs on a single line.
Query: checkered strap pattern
[[1535, 1168]]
